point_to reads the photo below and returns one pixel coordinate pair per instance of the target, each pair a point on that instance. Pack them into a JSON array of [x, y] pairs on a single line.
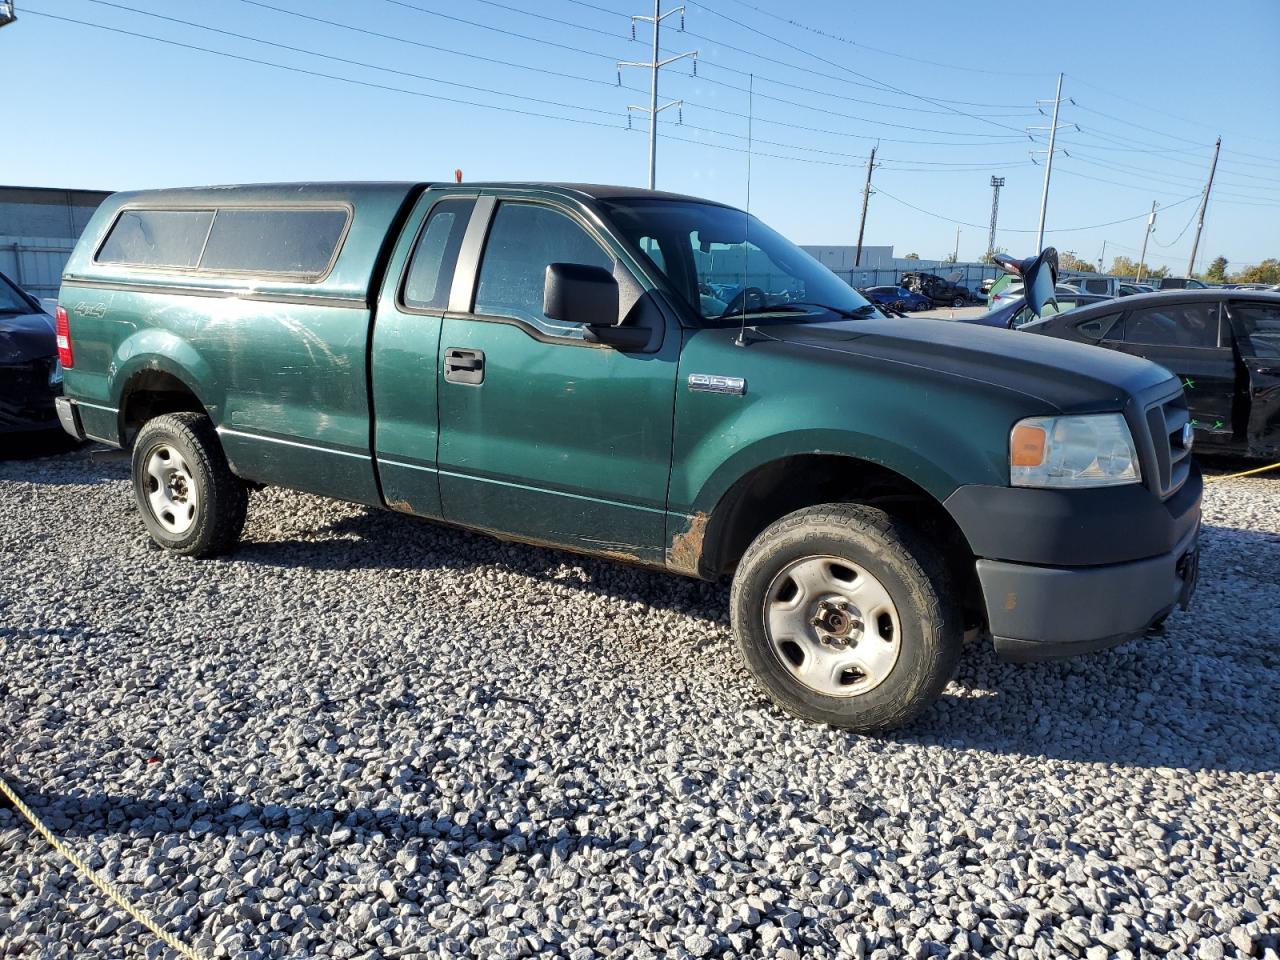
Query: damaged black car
[[30, 374], [1223, 344]]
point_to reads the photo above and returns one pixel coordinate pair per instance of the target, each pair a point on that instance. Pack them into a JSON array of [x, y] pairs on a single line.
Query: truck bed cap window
[[293, 242]]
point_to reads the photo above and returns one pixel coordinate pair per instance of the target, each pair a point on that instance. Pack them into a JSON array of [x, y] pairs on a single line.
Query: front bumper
[[1042, 613]]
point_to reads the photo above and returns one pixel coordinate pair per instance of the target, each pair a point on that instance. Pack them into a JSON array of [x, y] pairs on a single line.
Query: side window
[[1101, 327], [523, 239], [295, 242], [1259, 326], [1175, 325], [157, 238], [430, 274]]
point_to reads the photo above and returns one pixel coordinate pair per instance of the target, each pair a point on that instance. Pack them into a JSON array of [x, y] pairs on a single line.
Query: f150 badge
[[714, 383]]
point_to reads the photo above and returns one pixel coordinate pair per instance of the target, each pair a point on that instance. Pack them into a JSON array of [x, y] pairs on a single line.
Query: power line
[[607, 83], [863, 46], [1095, 226], [881, 85]]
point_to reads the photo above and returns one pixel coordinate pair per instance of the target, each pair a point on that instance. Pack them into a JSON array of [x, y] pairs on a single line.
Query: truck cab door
[[405, 349], [545, 435], [1256, 327], [1189, 338]]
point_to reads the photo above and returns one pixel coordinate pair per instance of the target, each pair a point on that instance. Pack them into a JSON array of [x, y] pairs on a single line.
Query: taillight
[[63, 331]]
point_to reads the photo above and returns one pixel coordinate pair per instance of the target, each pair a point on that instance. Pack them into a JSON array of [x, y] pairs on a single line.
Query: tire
[[189, 499], [958, 301], [921, 627]]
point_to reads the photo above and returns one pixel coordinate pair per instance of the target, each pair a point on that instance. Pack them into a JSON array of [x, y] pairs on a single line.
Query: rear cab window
[[429, 276], [294, 242]]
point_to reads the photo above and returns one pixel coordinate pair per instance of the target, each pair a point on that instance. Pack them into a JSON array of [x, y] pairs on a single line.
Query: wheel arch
[[715, 538]]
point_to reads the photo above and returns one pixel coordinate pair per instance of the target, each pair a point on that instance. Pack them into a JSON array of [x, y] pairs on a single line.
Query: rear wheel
[[189, 499], [957, 301], [842, 615]]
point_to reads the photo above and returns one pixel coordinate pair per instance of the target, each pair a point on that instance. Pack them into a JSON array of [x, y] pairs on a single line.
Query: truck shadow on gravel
[[1199, 694]]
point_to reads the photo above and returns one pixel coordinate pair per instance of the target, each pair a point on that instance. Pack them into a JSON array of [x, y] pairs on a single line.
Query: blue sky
[[948, 93]]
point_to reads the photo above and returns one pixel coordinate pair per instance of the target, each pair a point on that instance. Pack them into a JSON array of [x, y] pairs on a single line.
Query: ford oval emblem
[[1188, 435]]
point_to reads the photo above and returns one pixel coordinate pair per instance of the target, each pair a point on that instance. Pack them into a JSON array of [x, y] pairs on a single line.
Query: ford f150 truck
[[553, 364]]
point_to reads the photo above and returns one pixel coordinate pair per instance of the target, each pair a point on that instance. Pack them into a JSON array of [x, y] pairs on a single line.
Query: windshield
[[11, 300], [727, 264]]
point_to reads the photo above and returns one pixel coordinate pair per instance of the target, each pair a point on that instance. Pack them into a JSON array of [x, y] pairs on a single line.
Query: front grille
[[1165, 420]]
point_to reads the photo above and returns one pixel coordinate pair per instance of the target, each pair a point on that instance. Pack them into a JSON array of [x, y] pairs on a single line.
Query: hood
[[1075, 378], [28, 336]]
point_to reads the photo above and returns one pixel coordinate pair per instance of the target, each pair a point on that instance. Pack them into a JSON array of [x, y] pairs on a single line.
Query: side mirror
[[586, 295], [578, 293], [1039, 277]]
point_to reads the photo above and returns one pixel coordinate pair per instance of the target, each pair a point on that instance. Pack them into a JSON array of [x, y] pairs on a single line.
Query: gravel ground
[[367, 736]]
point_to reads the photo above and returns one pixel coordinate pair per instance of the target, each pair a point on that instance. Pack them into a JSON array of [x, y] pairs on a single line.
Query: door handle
[[464, 366]]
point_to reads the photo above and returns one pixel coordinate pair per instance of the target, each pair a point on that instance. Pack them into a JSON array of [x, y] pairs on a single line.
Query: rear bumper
[[69, 417], [1042, 613]]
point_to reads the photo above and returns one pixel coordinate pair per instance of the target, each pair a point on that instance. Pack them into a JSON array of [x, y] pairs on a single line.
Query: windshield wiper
[[798, 306], [866, 310]]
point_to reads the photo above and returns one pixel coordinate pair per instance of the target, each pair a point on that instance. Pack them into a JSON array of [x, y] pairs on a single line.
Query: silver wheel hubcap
[[171, 489], [832, 626]]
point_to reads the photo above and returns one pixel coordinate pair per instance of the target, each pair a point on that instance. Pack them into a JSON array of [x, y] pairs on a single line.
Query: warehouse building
[[39, 227]]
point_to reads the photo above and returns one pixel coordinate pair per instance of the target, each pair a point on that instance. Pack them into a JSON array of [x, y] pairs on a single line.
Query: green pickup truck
[[647, 377]]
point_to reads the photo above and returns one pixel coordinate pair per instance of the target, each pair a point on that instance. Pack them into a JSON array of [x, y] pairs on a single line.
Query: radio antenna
[[746, 226]]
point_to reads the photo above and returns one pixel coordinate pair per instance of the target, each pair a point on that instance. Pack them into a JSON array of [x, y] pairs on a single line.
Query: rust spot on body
[[404, 506], [685, 552]]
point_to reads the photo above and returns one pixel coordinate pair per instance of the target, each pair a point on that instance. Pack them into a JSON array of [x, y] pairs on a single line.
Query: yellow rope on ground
[[1244, 473], [106, 886]]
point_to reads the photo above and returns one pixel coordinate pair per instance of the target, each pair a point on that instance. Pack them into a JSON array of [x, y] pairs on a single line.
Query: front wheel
[[842, 615], [189, 499], [958, 301]]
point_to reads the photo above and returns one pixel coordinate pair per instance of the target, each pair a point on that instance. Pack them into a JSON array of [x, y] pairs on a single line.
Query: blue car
[[899, 297]]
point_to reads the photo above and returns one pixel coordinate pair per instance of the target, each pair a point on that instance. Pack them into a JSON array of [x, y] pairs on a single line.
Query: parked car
[[939, 290], [1014, 292], [1129, 289], [1016, 313], [510, 359], [900, 298], [1179, 283], [1223, 344], [30, 376]]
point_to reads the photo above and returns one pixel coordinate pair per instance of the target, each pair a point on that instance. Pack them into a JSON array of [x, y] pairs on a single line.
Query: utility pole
[[866, 195], [7, 14], [955, 257], [1048, 166], [1151, 222], [996, 184], [1204, 204], [653, 66], [1102, 257]]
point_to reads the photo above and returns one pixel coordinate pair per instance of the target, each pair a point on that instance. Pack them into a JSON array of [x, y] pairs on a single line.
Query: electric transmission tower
[[996, 184], [653, 66]]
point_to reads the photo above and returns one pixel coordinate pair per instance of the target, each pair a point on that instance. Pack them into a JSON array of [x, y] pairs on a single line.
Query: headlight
[[1088, 451], [55, 373]]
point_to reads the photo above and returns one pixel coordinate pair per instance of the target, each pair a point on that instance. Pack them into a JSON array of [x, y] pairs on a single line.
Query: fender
[[158, 350], [686, 531]]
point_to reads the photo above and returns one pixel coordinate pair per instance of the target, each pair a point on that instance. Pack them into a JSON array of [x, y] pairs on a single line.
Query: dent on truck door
[[1257, 328], [544, 436]]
